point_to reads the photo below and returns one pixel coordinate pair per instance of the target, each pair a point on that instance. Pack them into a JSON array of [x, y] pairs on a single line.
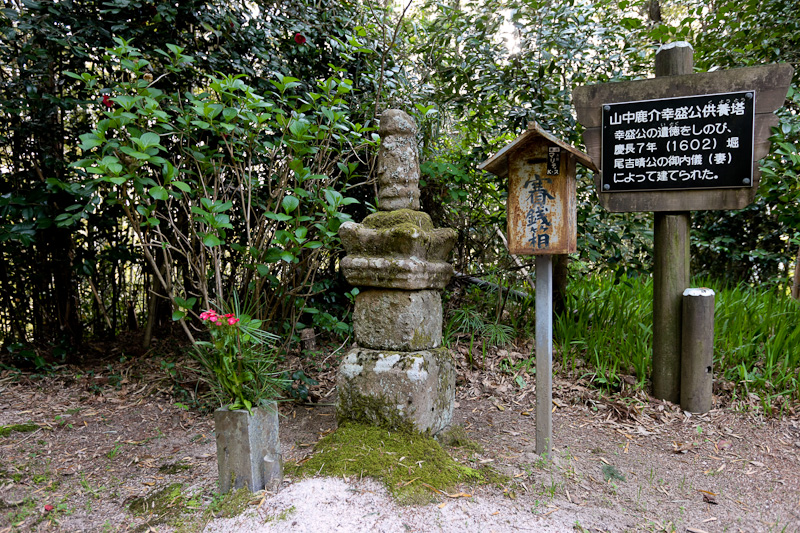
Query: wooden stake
[[697, 358], [671, 274]]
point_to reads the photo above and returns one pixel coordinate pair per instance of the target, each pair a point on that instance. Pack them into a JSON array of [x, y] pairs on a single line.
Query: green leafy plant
[[113, 452], [297, 384], [471, 321], [611, 473], [225, 187], [239, 360]]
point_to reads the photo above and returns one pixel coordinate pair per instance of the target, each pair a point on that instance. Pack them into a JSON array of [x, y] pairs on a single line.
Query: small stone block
[[243, 442], [401, 390], [398, 162], [273, 472], [398, 320]]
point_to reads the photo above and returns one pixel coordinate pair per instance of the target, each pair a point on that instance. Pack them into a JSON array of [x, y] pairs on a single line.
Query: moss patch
[[165, 506], [222, 506], [281, 516], [232, 504], [370, 411], [388, 219], [157, 502], [5, 431], [413, 467]]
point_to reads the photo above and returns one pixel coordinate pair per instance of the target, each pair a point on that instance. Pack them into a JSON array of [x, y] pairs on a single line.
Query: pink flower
[[208, 315], [48, 508], [232, 321], [107, 101], [299, 38]]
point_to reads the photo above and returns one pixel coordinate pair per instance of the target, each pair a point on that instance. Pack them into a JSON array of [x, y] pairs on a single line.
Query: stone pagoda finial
[[398, 162]]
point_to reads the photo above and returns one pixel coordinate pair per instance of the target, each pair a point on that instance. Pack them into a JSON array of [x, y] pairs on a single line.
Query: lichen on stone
[[380, 411], [386, 362]]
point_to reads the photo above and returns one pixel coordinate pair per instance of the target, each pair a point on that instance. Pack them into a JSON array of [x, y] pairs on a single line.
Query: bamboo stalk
[[796, 282], [100, 303]]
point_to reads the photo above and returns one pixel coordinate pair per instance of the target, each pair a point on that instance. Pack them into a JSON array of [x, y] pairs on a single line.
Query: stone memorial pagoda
[[398, 375]]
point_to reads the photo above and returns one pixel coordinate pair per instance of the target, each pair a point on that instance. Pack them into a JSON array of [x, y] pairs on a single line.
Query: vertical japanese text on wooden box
[[541, 203]]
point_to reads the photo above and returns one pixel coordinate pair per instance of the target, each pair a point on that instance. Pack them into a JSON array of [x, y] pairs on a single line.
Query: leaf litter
[[744, 460]]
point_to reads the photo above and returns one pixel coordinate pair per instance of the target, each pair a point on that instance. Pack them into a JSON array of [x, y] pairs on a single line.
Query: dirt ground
[[103, 441]]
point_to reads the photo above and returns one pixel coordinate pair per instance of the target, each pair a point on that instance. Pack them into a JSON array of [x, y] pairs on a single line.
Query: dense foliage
[[755, 337], [92, 220]]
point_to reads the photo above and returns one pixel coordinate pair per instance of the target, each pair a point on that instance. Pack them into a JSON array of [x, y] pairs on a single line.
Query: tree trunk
[[56, 245], [159, 308], [152, 305], [59, 251], [560, 281], [10, 292]]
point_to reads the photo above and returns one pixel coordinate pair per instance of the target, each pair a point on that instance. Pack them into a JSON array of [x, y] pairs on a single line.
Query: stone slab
[[401, 240], [409, 273], [401, 390], [386, 319], [248, 449]]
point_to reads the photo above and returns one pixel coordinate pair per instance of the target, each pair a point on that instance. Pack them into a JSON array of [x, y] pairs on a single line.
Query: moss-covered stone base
[[397, 389]]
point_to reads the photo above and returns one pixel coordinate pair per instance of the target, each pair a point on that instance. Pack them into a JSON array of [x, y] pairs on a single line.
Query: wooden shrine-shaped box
[[541, 191]]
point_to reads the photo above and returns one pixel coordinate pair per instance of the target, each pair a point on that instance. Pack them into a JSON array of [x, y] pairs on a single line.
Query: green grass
[[608, 329], [757, 341]]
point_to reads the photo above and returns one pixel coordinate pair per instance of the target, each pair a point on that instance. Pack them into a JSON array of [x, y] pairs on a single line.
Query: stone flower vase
[[248, 449]]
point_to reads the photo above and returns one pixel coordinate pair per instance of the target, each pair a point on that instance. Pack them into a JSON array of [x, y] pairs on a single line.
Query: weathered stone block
[[395, 273], [402, 390], [405, 238], [398, 320], [248, 449]]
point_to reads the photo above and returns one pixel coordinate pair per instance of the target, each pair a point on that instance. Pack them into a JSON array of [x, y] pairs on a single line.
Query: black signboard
[[694, 142]]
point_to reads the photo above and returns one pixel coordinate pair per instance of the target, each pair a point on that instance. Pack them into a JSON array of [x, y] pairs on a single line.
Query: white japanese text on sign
[[678, 143]]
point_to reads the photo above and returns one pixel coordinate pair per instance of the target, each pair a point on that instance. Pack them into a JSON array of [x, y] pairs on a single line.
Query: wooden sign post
[[678, 143], [541, 222]]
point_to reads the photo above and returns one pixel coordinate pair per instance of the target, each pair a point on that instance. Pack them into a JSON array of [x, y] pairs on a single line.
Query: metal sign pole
[[541, 222], [544, 354]]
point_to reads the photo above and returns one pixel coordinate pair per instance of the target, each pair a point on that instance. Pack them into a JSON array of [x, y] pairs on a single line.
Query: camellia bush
[[224, 188]]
